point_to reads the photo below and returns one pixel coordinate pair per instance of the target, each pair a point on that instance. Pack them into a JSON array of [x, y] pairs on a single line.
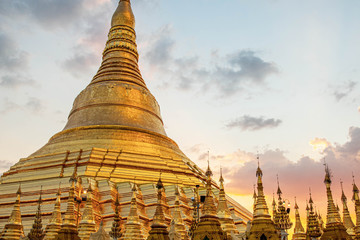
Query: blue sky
[[235, 78]]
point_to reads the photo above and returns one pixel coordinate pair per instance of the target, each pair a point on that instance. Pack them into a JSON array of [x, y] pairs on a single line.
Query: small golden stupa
[[114, 134]]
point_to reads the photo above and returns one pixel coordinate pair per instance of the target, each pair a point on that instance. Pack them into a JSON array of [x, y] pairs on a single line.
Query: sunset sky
[[278, 78]]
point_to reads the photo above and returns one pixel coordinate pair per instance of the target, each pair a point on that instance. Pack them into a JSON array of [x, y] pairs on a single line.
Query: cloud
[[161, 48], [319, 144], [8, 106], [250, 123], [11, 57], [296, 177], [227, 74], [243, 67], [47, 13], [344, 90], [33, 105], [80, 63], [15, 81], [13, 64], [5, 165]]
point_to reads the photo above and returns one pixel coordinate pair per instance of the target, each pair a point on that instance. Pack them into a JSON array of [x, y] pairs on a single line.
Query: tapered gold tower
[[348, 223], [262, 227], [299, 232], [209, 226], [356, 199], [334, 227], [114, 133]]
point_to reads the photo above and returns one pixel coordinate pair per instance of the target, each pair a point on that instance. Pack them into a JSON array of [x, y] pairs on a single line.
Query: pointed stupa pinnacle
[[208, 172], [56, 215], [69, 219], [298, 229], [123, 15], [278, 190], [348, 223], [13, 230], [55, 221], [132, 229], [333, 215], [261, 210], [356, 200], [115, 232], [159, 217], [221, 180], [36, 232], [209, 207], [15, 217], [313, 227], [222, 209]]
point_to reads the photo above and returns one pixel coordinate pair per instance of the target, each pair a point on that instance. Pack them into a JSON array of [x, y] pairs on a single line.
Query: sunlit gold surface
[[261, 225], [114, 133]]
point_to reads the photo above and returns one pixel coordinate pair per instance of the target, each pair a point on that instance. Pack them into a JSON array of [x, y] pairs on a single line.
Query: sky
[[273, 78]]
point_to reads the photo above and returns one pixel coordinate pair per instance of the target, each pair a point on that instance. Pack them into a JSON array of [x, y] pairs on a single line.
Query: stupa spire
[[209, 226], [133, 226], [334, 228], [333, 215], [13, 230], [69, 228], [177, 224], [223, 211], [262, 224], [313, 227], [158, 227], [261, 209], [87, 223], [281, 218], [348, 223], [209, 207], [36, 232], [55, 222], [115, 232], [356, 200], [299, 231]]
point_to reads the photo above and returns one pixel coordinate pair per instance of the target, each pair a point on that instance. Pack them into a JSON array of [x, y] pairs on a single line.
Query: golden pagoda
[[114, 133], [356, 199], [334, 229], [209, 226], [159, 227], [348, 223], [262, 227], [299, 232], [281, 218], [223, 212], [313, 229], [14, 228], [55, 221]]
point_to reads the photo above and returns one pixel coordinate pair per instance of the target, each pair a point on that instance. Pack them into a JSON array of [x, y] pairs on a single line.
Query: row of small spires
[[315, 225], [57, 228]]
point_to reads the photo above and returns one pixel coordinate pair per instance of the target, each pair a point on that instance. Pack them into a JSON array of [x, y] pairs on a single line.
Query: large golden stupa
[[114, 136]]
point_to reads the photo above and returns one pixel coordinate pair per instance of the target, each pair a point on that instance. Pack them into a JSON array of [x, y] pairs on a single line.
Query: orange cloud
[[319, 144]]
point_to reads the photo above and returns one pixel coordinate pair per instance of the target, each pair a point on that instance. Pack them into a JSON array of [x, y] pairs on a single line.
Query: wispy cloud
[[13, 64], [250, 123], [227, 74], [344, 90], [16, 81], [32, 104]]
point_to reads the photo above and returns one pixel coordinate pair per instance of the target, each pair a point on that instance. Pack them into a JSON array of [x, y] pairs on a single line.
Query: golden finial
[[123, 15], [258, 171], [208, 172]]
